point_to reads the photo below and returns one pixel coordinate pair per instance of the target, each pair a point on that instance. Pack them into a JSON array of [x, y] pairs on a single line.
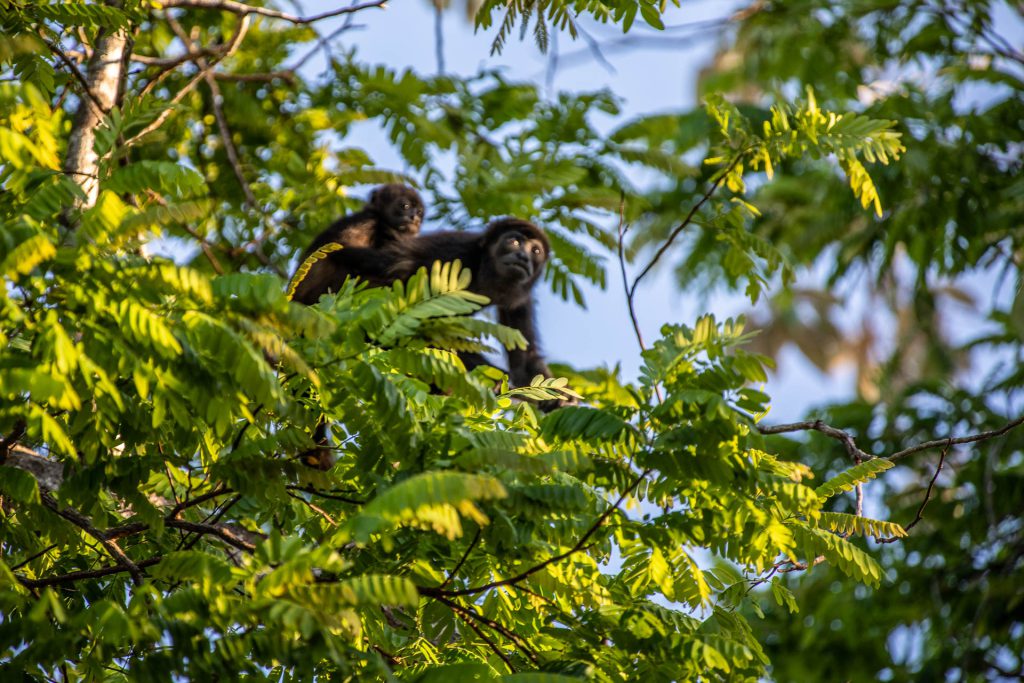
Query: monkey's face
[[517, 257], [399, 207]]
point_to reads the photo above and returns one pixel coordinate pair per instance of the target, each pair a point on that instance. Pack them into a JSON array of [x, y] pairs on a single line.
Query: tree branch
[[851, 446], [7, 443], [515, 639], [233, 44], [465, 556], [686, 221], [818, 426], [72, 577], [83, 523], [213, 529], [439, 593], [245, 10], [210, 521], [956, 441], [490, 643], [931, 485]]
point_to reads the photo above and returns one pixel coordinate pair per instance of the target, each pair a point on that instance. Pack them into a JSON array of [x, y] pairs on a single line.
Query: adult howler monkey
[[393, 214], [506, 260]]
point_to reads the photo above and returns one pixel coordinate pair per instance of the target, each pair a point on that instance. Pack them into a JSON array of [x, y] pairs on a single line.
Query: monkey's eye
[[536, 250], [513, 241], [405, 206]]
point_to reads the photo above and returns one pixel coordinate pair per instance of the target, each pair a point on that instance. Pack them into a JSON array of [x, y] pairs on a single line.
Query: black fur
[[393, 214], [506, 260]]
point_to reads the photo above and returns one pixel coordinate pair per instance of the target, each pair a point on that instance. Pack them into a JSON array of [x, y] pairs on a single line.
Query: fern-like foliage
[[443, 293], [434, 501], [561, 15], [858, 474], [847, 524], [850, 559]]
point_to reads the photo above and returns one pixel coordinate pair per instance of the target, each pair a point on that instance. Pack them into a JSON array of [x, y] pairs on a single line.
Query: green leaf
[[847, 524], [432, 500], [19, 485], [578, 422], [849, 479], [367, 589]]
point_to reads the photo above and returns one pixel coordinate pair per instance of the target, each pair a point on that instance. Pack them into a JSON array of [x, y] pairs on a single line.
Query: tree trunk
[[104, 76]]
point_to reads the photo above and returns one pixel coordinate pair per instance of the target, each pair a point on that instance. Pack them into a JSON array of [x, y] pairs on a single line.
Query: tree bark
[[104, 76]]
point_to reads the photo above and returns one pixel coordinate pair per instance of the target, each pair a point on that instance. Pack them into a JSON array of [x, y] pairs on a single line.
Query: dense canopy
[[163, 165]]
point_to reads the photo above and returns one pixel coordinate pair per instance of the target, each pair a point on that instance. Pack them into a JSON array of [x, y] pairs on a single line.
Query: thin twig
[[686, 221], [490, 643], [170, 63], [217, 102], [625, 278], [701, 30], [630, 305], [802, 566], [198, 500], [516, 639], [211, 519], [324, 43], [439, 36], [956, 441], [332, 495], [859, 456], [270, 77], [858, 508], [90, 96], [233, 44], [931, 485], [551, 70], [42, 552], [436, 592], [593, 46], [314, 508], [465, 556], [246, 10]]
